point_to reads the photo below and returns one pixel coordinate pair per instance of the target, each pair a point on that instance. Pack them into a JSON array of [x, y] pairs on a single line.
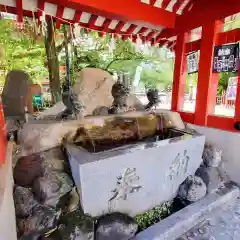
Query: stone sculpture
[[212, 177], [212, 156], [120, 94], [92, 88], [152, 96], [74, 107], [192, 189]]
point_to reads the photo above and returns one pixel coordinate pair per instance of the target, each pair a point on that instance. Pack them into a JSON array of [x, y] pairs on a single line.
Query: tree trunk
[[67, 58], [53, 64]]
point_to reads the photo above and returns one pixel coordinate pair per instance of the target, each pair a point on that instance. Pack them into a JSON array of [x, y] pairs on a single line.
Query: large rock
[[93, 88], [41, 221], [39, 136], [76, 226], [27, 169], [14, 98], [49, 189], [192, 189], [30, 167], [116, 226], [24, 201], [52, 112]]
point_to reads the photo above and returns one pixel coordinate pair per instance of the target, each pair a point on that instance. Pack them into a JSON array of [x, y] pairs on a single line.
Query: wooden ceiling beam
[[127, 11]]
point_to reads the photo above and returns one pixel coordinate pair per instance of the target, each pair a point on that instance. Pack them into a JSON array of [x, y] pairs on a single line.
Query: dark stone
[[152, 96], [27, 169], [72, 201], [42, 220], [115, 226], [30, 167], [192, 189], [53, 160], [73, 105], [24, 201], [50, 188], [76, 226], [120, 94], [100, 111]]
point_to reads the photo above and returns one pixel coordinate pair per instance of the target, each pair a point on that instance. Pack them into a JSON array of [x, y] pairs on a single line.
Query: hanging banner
[[192, 62], [226, 58], [232, 88]]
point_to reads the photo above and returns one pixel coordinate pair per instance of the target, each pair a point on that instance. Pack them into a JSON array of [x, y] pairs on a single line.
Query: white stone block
[[133, 179]]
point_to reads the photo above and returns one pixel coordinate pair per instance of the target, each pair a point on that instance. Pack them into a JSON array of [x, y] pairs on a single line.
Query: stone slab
[[14, 94], [136, 178], [182, 221], [220, 225]]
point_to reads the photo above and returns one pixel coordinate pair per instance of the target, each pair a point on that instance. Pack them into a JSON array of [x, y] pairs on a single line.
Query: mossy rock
[[76, 226]]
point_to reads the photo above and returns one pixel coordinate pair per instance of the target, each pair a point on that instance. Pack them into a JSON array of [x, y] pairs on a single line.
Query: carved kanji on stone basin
[[127, 183]]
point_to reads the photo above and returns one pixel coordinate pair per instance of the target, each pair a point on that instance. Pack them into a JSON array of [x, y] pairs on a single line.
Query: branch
[[122, 59]]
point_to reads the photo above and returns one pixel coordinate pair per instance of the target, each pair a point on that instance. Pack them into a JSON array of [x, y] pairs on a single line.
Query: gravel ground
[[221, 225]]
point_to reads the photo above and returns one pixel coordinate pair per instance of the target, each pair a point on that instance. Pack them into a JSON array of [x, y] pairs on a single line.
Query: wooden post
[[180, 71], [207, 85]]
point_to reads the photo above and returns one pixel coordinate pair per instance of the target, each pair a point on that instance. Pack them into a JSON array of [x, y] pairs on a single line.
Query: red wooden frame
[[211, 10], [59, 16], [207, 81], [223, 38], [131, 11], [179, 73]]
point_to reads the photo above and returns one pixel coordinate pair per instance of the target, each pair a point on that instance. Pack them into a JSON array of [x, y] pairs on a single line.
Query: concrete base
[[179, 223]]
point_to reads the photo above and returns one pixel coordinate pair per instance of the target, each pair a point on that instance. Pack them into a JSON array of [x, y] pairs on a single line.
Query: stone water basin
[[134, 172]]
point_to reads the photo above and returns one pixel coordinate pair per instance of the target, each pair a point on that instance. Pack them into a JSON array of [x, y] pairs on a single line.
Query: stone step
[[181, 222]]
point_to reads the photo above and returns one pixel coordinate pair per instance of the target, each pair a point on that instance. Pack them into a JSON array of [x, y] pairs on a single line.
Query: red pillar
[[213, 93], [207, 85], [215, 76], [180, 72]]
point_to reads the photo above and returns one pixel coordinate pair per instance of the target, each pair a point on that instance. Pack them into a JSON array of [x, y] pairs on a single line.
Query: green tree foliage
[[21, 51], [123, 58], [223, 82], [234, 23], [24, 49]]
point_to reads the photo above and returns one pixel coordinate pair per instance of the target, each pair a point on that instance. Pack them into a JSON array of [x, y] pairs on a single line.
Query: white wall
[[7, 210], [229, 142]]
